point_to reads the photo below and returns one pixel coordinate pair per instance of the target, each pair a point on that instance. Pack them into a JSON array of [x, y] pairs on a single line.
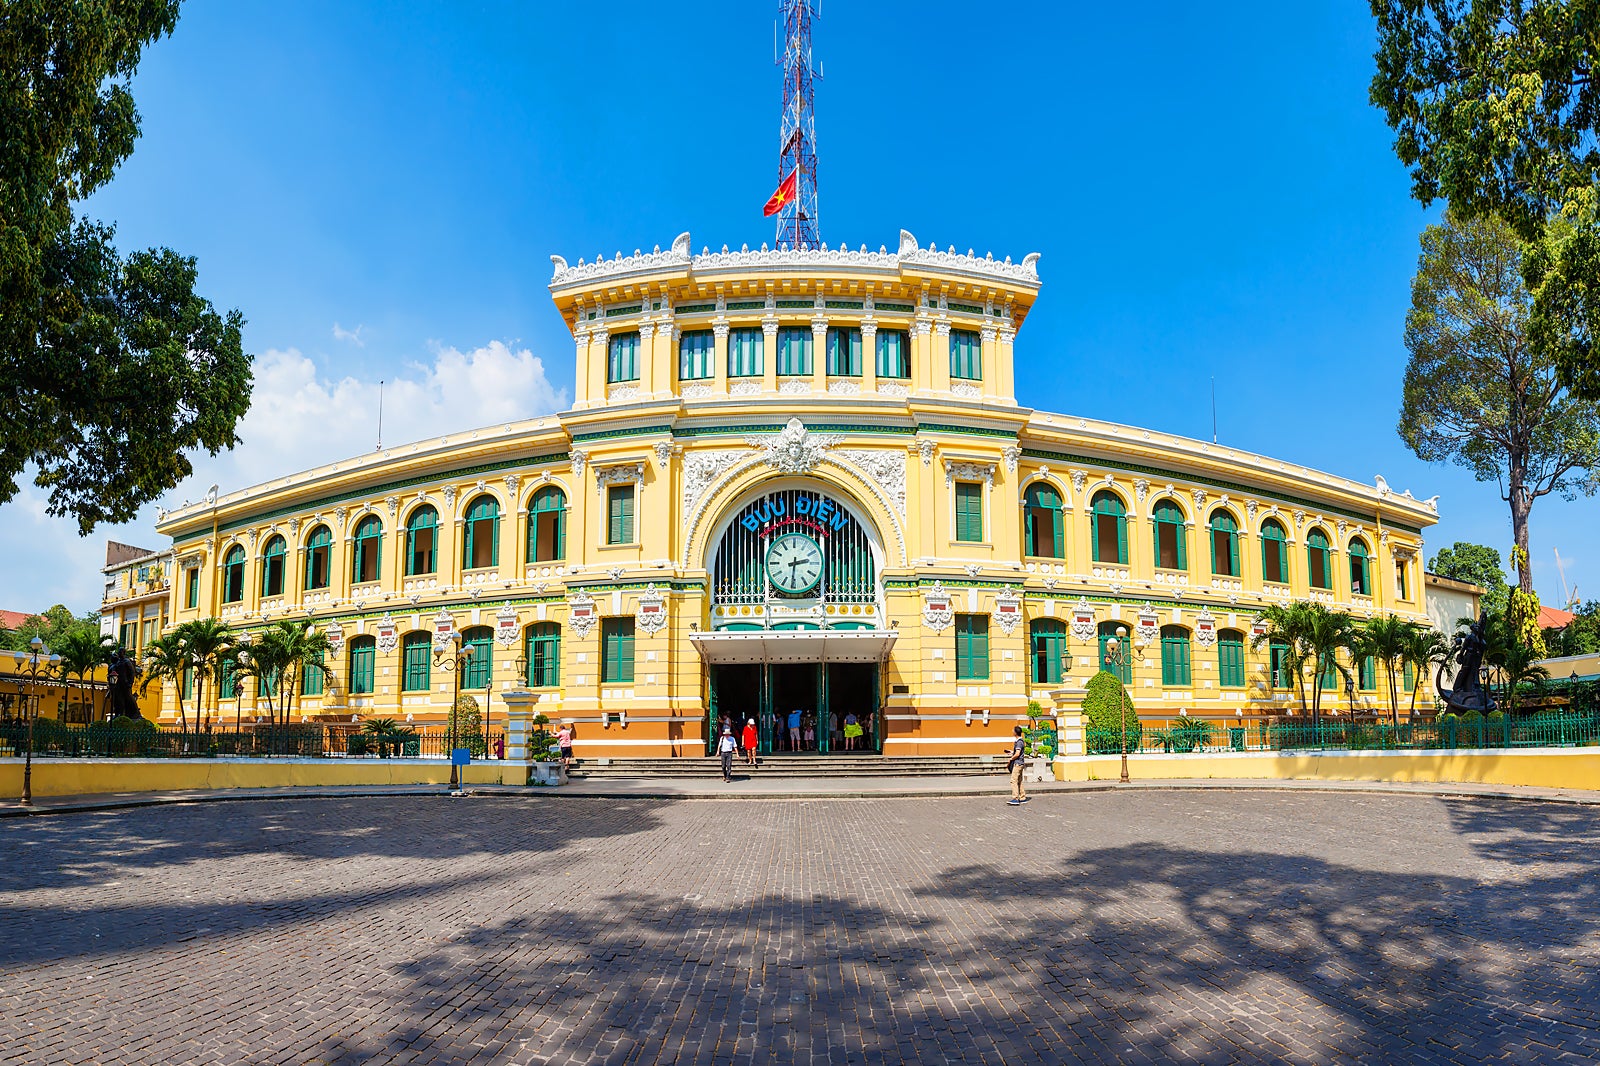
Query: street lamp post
[[1117, 656], [454, 660], [40, 660]]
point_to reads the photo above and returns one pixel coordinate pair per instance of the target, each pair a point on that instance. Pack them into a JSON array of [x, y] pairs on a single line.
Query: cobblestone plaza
[[1110, 927]]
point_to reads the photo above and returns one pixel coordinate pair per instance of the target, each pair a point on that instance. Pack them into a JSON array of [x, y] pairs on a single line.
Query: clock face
[[794, 562]]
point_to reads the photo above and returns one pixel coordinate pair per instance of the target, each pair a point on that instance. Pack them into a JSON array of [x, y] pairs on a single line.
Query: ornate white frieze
[[696, 392], [335, 635], [506, 628], [885, 468], [1008, 611], [617, 474], [794, 387], [1148, 625], [651, 613], [745, 388], [701, 470], [794, 450], [581, 613], [843, 387], [955, 470], [388, 634], [1205, 629], [938, 608], [966, 391], [622, 393], [1083, 620], [894, 389], [444, 628]]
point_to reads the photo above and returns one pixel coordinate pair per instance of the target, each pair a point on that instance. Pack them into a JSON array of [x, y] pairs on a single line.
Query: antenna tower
[[797, 132]]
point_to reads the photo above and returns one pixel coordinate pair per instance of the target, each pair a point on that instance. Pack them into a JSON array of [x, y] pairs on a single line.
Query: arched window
[[422, 541], [482, 546], [416, 665], [1360, 568], [366, 551], [1108, 635], [544, 655], [1230, 658], [1278, 663], [363, 655], [547, 525], [1108, 529], [478, 671], [1171, 541], [1319, 570], [1047, 644], [1041, 519], [1224, 545], [319, 558], [1175, 656], [1274, 552], [272, 566], [233, 575]]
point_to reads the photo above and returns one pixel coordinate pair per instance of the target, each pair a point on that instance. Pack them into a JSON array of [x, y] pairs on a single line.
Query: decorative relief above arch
[[580, 613], [886, 469], [1083, 619], [968, 471], [794, 449], [938, 608]]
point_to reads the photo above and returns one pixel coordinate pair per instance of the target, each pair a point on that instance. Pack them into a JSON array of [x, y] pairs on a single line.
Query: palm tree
[[1327, 634], [299, 645], [209, 644], [1287, 624], [1519, 663], [82, 649], [262, 660], [1425, 649], [1385, 639], [166, 659]]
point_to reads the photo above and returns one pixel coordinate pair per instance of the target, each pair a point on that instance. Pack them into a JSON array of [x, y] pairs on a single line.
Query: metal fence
[[1182, 736], [301, 740]]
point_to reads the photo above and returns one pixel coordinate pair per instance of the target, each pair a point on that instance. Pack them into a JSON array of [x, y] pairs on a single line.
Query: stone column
[[869, 356], [719, 369], [819, 361], [769, 354]]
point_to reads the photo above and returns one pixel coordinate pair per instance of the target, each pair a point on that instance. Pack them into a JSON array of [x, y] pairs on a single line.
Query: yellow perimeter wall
[[76, 777], [1546, 768]]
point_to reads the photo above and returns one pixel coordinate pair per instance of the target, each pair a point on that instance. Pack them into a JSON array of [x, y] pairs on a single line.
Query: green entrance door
[[853, 693], [797, 689], [737, 695]]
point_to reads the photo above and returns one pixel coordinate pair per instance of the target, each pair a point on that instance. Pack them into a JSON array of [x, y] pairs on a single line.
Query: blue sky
[[378, 187]]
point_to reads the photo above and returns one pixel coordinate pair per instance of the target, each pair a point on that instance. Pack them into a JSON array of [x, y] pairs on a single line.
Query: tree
[[1496, 109], [1425, 649], [1581, 636], [1327, 634], [81, 650], [167, 660], [1476, 565], [209, 647], [1518, 664], [1107, 711], [51, 627], [1385, 639], [279, 656], [1479, 392], [111, 366], [1288, 625]]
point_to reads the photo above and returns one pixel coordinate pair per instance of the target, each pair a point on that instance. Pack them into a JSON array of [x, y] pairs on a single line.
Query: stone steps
[[842, 765]]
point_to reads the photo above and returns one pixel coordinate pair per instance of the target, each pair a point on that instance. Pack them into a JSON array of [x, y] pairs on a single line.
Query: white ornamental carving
[[1008, 611], [1083, 626], [794, 450], [1011, 454], [449, 496], [444, 628], [512, 481], [505, 626], [696, 392], [925, 449], [958, 471], [966, 391], [1205, 629], [580, 459], [1078, 478], [1250, 509], [663, 450], [1199, 500], [745, 388], [1148, 626], [651, 614], [622, 392], [794, 387], [886, 469], [617, 474], [842, 387], [1141, 489], [938, 610], [701, 470], [335, 635], [890, 388], [581, 613], [388, 634]]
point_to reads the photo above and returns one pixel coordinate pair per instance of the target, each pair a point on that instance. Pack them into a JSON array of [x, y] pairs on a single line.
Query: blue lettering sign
[[823, 509], [802, 505], [838, 520], [750, 522]]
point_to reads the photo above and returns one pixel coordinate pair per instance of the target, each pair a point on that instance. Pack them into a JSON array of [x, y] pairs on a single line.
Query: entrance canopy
[[795, 646]]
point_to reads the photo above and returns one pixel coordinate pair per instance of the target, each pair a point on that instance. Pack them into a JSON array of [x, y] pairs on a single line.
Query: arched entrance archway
[[797, 638]]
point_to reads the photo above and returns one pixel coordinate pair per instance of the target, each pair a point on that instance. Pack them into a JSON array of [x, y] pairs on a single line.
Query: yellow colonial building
[[797, 481]]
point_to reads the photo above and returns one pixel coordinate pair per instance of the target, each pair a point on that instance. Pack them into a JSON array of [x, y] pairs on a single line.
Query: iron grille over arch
[[851, 558]]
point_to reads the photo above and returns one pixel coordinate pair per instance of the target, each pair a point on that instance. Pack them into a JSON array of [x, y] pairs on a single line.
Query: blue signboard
[[461, 757]]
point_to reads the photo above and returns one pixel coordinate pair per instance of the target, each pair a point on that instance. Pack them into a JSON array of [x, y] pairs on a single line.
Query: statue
[[124, 671], [1468, 694]]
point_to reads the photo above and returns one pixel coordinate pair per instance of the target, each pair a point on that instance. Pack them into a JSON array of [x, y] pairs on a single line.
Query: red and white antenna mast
[[797, 132]]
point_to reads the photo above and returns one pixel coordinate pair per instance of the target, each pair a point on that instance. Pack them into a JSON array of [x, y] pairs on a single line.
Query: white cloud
[[351, 335], [298, 418]]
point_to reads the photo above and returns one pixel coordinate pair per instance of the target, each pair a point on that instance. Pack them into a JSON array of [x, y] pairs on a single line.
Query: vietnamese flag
[[785, 193]]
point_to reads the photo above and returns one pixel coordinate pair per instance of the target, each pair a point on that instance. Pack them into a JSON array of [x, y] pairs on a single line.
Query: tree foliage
[[1475, 564], [1495, 106], [1107, 709], [52, 627], [1479, 392], [111, 367]]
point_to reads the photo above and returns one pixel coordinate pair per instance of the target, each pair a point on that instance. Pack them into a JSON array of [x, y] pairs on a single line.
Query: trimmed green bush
[[1106, 707]]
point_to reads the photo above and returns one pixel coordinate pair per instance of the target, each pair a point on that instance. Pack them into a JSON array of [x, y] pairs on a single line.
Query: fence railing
[[300, 740], [1182, 736]]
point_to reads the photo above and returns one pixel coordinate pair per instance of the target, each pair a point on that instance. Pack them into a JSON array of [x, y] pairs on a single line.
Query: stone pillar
[[819, 360], [1070, 738], [769, 354], [719, 369], [869, 356], [522, 707], [939, 357]]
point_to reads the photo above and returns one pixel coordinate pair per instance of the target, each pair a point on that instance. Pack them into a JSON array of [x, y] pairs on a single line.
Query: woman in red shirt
[[749, 739]]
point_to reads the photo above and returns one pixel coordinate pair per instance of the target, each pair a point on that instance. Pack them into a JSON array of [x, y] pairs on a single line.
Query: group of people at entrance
[[797, 731]]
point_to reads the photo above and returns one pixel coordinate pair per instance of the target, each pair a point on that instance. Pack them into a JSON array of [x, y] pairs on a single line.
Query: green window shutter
[[1230, 662], [363, 652], [1047, 639], [972, 647], [618, 651], [1233, 554], [311, 680], [619, 518], [544, 655], [969, 511], [479, 670], [1183, 545], [1410, 678], [1122, 540], [415, 652]]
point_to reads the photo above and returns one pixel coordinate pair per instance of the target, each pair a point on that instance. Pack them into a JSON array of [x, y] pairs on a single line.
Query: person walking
[[1015, 764], [750, 741], [852, 731], [725, 748], [564, 742], [794, 729]]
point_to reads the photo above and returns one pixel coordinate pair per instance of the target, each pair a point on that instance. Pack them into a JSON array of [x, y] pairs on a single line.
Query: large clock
[[794, 563]]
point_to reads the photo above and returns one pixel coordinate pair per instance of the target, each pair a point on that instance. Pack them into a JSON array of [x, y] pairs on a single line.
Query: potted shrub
[[1039, 743], [544, 754]]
